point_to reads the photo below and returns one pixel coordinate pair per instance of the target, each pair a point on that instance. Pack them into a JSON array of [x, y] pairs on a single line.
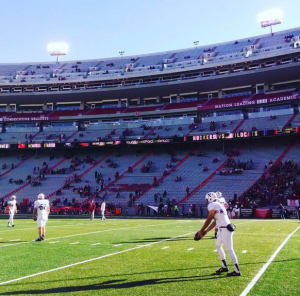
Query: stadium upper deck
[[265, 59]]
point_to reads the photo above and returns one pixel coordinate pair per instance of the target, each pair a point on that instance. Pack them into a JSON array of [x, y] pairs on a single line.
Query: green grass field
[[143, 257]]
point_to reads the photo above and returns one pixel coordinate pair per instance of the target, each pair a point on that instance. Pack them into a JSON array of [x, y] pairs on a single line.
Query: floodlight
[[58, 49], [270, 18]]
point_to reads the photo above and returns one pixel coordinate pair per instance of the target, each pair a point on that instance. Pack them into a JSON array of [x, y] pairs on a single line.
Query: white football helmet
[[211, 197], [219, 194], [41, 196], [13, 197]]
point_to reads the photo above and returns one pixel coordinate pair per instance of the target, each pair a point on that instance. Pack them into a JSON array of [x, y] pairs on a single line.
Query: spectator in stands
[[187, 189], [281, 211]]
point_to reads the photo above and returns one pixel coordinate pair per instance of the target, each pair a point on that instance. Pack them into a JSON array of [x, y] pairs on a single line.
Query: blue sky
[[98, 28]]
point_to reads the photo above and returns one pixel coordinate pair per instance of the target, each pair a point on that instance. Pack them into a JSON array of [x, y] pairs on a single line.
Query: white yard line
[[14, 240], [117, 245], [165, 248], [95, 244], [190, 249], [75, 243], [263, 269], [90, 260], [53, 242], [244, 251], [87, 233]]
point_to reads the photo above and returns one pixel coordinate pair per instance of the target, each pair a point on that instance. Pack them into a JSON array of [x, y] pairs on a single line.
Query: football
[[197, 236]]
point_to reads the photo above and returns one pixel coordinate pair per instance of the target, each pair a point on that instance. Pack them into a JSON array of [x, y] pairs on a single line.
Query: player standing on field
[[103, 205], [40, 213], [218, 212], [91, 208], [12, 209]]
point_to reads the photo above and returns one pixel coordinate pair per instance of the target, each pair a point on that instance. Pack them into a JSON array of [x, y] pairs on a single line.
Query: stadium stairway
[[238, 126], [72, 135], [169, 173], [290, 120], [209, 178], [152, 130], [33, 137], [17, 165], [26, 184], [83, 174], [279, 159], [133, 167]]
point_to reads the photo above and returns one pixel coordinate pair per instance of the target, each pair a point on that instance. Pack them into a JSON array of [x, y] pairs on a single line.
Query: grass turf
[[154, 257]]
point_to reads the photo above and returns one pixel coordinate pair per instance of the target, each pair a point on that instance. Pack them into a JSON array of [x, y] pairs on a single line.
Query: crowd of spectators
[[277, 185]]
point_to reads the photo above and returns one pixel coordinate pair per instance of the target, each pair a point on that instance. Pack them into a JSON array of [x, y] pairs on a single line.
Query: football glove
[[34, 218]]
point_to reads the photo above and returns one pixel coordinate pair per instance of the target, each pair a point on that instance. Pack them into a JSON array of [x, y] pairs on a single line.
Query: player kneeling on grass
[[40, 214], [218, 212], [12, 209]]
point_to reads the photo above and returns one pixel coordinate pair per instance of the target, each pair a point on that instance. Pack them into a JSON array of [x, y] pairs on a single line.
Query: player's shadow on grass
[[13, 243], [116, 284], [155, 239]]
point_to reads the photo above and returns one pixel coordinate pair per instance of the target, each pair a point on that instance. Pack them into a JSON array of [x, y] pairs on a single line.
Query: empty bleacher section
[[265, 123], [133, 65]]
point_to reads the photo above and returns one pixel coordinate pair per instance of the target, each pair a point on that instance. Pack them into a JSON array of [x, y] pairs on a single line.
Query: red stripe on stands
[[169, 172], [83, 174], [238, 127], [290, 120], [201, 185], [17, 165], [152, 130], [26, 184], [33, 137], [279, 159], [134, 166], [71, 136]]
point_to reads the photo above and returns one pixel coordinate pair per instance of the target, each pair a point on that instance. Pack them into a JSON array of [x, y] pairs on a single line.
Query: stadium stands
[[191, 57]]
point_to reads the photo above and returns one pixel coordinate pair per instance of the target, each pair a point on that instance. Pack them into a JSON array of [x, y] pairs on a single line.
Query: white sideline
[[263, 269], [89, 260], [87, 233]]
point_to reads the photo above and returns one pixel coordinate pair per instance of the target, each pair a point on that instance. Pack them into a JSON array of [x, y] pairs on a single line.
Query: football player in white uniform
[[218, 213], [12, 209], [103, 205], [223, 202], [40, 213]]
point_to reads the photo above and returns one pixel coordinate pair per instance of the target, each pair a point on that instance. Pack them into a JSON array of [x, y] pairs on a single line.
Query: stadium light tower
[[58, 49], [121, 53], [196, 43], [270, 18]]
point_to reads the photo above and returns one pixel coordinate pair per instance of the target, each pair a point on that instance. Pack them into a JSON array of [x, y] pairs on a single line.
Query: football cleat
[[13, 225], [234, 273], [38, 240], [222, 269]]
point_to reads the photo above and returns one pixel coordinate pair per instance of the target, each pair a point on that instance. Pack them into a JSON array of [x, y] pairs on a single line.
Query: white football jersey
[[222, 200], [12, 205], [221, 214], [42, 205], [103, 206]]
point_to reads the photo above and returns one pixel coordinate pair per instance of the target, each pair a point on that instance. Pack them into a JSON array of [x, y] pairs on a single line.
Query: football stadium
[[115, 169]]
